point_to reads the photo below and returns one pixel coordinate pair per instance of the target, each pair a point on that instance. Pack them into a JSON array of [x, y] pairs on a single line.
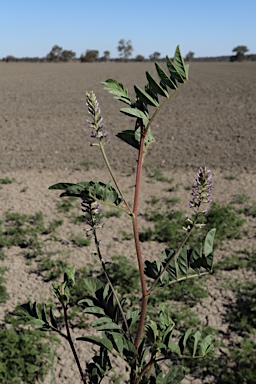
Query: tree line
[[125, 49]]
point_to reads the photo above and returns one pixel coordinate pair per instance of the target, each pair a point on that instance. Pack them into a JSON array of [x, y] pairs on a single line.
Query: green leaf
[[174, 71], [195, 258], [207, 262], [69, 276], [44, 315], [179, 64], [155, 86], [118, 90], [128, 137], [133, 317], [106, 292], [208, 243], [135, 112], [94, 310], [183, 261], [61, 186], [100, 321], [206, 345], [53, 319], [92, 284], [105, 343], [174, 348], [145, 97], [175, 375], [118, 343], [36, 312], [184, 338], [109, 327], [164, 77], [37, 322], [193, 341], [152, 332], [104, 192], [152, 269]]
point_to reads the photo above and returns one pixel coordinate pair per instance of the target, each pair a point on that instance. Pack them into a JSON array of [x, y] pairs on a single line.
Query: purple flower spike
[[96, 122], [201, 190]]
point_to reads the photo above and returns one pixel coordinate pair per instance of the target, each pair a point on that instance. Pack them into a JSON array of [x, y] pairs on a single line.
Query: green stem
[[144, 298], [112, 174], [69, 338], [173, 257], [109, 282]]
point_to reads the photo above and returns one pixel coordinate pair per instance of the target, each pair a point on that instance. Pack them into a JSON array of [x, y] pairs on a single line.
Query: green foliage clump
[[3, 292], [24, 356], [242, 312]]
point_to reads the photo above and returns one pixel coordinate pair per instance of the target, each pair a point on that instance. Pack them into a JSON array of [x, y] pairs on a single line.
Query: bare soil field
[[44, 139]]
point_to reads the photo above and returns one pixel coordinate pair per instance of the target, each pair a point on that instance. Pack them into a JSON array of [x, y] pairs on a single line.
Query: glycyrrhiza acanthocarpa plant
[[143, 343]]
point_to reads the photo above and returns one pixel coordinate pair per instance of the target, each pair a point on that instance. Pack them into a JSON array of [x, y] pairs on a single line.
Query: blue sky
[[206, 27]]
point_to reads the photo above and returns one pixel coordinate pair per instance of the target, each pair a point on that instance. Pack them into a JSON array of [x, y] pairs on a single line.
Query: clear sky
[[207, 27]]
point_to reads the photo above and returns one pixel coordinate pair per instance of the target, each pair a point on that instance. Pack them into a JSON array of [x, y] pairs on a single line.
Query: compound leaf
[[105, 342], [118, 90], [164, 77], [155, 86], [145, 97]]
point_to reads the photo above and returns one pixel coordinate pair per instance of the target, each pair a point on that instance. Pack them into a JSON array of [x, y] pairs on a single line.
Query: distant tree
[[139, 58], [155, 56], [55, 54], [67, 55], [106, 56], [189, 56], [89, 56], [10, 58], [240, 51], [125, 48]]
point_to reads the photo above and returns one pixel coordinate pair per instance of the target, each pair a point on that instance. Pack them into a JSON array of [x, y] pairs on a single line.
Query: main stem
[[144, 292]]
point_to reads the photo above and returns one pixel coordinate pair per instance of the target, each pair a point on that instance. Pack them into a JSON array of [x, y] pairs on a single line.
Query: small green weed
[[51, 269], [230, 177], [80, 240], [6, 180], [126, 236], [242, 312], [86, 164], [66, 205], [240, 199], [228, 222], [111, 213], [171, 200], [249, 210], [242, 259], [157, 175]]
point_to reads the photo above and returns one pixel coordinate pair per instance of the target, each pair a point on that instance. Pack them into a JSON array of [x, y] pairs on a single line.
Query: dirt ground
[[44, 138]]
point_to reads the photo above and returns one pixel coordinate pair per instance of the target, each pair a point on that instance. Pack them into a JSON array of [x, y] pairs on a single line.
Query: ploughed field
[[44, 139], [43, 116]]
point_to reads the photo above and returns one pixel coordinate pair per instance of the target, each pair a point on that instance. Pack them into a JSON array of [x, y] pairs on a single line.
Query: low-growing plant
[[157, 175], [79, 240], [65, 206], [6, 180], [24, 355], [3, 292], [124, 319]]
